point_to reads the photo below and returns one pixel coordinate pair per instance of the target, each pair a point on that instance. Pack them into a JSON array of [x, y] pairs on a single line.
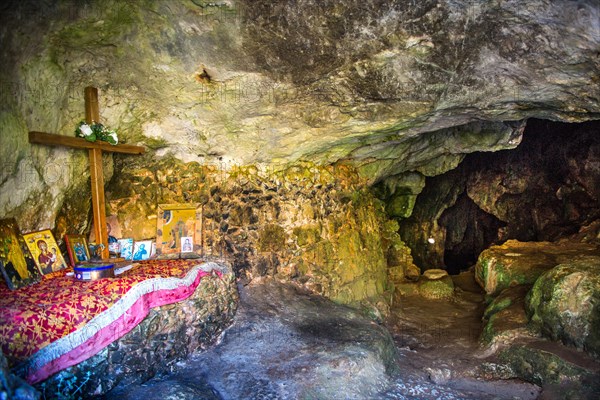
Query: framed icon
[[77, 247], [45, 251], [142, 250], [126, 247], [175, 222], [16, 263], [186, 244]]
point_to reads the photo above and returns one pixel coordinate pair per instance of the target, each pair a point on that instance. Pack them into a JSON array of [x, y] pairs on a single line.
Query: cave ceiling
[[392, 87]]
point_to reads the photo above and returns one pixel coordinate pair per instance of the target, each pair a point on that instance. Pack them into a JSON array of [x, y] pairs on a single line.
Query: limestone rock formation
[[399, 260], [511, 264], [505, 319], [390, 88], [525, 324], [562, 377], [276, 117], [435, 274], [12, 387], [288, 344], [564, 304], [518, 263], [316, 225]]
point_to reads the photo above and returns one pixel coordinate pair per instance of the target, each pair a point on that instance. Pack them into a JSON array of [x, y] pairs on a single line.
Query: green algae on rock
[[519, 263], [505, 318], [544, 367], [436, 284], [317, 225], [564, 304]]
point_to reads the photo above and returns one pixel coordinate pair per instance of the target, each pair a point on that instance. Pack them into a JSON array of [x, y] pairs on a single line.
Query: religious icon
[[126, 246], [45, 251], [141, 250], [95, 251], [78, 249], [176, 222], [113, 229], [186, 244], [16, 263], [114, 249]]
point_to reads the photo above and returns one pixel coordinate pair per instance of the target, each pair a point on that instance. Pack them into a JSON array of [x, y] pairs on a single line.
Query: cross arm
[[80, 143]]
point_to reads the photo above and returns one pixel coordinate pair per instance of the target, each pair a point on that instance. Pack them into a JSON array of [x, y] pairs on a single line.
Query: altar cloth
[[60, 322]]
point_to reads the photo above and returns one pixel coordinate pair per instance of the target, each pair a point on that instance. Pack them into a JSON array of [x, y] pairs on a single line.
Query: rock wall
[[318, 226], [167, 335], [390, 88]]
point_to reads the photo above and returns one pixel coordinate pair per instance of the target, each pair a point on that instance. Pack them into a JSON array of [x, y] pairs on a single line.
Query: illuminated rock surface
[[517, 263], [389, 88], [286, 343]]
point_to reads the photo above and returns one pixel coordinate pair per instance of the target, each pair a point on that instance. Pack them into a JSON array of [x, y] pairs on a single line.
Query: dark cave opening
[[544, 190], [469, 231]]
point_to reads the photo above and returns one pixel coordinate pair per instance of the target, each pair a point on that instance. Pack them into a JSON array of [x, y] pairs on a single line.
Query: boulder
[[406, 289], [520, 263], [168, 335], [564, 304], [538, 364], [436, 284], [505, 318], [435, 274]]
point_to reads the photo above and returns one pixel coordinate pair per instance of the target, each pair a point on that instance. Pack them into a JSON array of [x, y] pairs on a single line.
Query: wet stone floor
[[288, 344], [439, 351]]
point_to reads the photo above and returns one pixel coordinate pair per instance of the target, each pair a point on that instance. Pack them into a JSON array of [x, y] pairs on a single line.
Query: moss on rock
[[543, 367], [271, 238], [520, 263], [319, 225], [436, 289], [505, 318], [564, 304]]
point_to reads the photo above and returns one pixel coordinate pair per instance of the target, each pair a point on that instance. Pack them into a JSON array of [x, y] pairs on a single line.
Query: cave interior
[[401, 198]]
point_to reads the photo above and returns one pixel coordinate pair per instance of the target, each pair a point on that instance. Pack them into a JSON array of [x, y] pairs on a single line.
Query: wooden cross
[[92, 114]]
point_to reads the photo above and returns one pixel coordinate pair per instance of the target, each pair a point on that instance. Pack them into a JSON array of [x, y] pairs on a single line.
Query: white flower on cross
[[85, 129], [113, 134], [96, 131]]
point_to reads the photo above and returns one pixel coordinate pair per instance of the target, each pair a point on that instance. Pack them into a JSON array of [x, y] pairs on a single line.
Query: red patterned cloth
[[35, 316]]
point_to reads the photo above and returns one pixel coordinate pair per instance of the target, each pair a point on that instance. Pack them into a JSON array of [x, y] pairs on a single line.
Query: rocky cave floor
[[286, 343], [438, 341]]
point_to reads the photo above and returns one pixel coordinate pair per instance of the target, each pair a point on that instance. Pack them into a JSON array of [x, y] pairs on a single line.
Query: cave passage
[[544, 190], [469, 231]]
